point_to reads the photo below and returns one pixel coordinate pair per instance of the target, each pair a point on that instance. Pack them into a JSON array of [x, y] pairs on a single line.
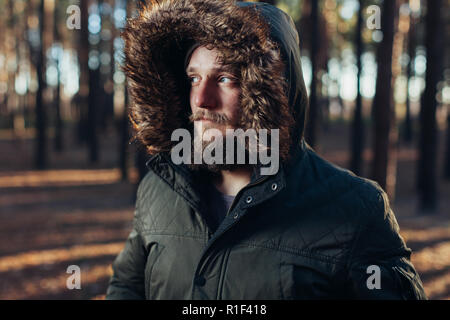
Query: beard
[[216, 147], [218, 151]]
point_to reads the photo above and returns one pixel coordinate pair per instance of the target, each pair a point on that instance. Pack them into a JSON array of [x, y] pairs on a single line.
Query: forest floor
[[80, 214]]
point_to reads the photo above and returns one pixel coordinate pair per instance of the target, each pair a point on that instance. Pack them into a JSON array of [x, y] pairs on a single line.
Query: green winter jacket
[[311, 231]]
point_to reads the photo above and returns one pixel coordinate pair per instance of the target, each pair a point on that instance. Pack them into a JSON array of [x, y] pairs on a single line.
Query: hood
[[258, 40]]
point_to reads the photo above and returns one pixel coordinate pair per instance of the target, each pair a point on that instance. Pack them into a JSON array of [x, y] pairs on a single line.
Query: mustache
[[212, 116]]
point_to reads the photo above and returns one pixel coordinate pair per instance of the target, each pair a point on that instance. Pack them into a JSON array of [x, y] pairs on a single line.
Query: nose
[[204, 95]]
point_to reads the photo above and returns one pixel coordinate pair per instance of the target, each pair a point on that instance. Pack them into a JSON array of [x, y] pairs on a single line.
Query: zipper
[[203, 255], [223, 270], [259, 181], [247, 186], [227, 254]]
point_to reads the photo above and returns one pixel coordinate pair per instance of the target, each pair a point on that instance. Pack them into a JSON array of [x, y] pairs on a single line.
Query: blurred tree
[[108, 112], [104, 90], [434, 43], [407, 127], [447, 150], [312, 122], [314, 40], [3, 73], [93, 105], [31, 32], [94, 99], [11, 55], [398, 49], [20, 98], [446, 32], [40, 146], [383, 106], [57, 96], [357, 136], [88, 91], [83, 58]]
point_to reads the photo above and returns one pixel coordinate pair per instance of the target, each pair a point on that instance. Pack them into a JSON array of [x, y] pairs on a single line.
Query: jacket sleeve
[[379, 266], [127, 281]]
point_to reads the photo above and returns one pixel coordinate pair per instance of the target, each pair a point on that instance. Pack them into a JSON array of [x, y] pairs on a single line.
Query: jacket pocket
[[409, 284], [303, 281], [152, 259]]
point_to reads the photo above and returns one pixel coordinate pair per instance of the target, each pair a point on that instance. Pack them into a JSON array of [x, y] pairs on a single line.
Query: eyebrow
[[217, 69]]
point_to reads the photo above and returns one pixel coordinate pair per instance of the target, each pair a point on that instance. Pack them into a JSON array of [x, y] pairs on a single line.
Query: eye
[[193, 79], [225, 79]]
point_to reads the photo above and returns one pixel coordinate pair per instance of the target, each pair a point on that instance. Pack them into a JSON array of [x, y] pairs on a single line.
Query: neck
[[230, 182]]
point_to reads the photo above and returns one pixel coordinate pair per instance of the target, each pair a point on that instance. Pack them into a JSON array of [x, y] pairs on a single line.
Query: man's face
[[215, 102], [214, 93]]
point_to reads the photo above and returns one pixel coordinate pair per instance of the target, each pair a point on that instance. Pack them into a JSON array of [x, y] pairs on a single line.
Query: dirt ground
[[80, 214]]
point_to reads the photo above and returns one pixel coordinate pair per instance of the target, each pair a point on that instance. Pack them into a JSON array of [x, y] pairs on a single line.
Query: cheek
[[234, 105], [191, 100]]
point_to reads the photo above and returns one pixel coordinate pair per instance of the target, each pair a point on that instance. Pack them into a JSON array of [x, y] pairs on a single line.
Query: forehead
[[202, 57]]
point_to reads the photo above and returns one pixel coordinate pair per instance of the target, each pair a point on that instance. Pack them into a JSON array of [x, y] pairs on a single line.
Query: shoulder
[[358, 201], [342, 186], [146, 185], [362, 200], [340, 197], [151, 192]]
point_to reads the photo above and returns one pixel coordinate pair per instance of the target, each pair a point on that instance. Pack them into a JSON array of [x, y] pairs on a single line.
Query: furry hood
[[257, 39]]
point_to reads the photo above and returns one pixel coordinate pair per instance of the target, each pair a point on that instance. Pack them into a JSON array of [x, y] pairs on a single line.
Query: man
[[309, 230]]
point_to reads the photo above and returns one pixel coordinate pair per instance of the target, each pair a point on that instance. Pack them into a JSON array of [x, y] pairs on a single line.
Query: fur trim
[[155, 44]]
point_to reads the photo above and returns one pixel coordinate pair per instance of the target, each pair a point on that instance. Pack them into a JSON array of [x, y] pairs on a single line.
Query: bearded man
[[229, 229]]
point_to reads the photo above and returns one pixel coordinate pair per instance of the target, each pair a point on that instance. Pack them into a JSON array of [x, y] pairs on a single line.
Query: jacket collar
[[191, 186]]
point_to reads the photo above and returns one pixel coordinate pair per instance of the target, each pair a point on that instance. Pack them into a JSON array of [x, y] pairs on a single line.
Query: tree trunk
[[447, 150], [32, 57], [103, 95], [357, 137], [110, 81], [383, 107], [428, 127], [40, 147], [94, 104], [407, 128], [57, 98], [83, 56], [93, 97], [123, 121], [17, 20], [312, 121]]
